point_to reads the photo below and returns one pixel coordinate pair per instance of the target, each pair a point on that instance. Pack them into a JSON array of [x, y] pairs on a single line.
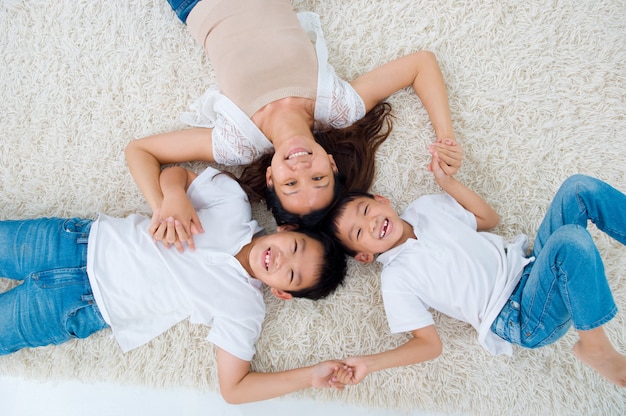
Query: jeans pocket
[[77, 229], [85, 320], [507, 324]]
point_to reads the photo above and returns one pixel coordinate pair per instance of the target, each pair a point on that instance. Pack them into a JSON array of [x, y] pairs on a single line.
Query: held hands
[[175, 223], [449, 154], [324, 375], [336, 374], [353, 371], [446, 160]]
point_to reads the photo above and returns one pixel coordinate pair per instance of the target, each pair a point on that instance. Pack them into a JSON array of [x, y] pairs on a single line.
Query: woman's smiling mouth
[[297, 153]]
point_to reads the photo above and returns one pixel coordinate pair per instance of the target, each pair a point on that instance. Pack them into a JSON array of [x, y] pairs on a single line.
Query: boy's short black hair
[[329, 224], [331, 272], [282, 216]]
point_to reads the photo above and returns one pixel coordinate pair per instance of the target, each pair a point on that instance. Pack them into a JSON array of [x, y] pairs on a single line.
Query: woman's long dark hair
[[354, 150]]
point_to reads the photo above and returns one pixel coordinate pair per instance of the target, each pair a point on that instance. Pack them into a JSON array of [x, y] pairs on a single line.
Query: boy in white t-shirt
[[436, 255], [80, 276]]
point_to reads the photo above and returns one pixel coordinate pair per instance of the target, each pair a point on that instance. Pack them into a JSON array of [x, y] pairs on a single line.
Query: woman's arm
[[419, 70], [424, 346], [146, 156], [239, 385]]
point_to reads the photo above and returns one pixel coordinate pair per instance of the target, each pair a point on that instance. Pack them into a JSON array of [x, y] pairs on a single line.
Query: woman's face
[[302, 174]]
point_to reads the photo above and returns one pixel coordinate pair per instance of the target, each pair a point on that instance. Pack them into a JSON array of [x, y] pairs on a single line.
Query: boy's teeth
[[267, 260], [384, 228]]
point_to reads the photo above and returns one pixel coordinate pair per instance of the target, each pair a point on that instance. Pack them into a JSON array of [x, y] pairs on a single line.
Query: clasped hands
[[338, 374], [175, 223]]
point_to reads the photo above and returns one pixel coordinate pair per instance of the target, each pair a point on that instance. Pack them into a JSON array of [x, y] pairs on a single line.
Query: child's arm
[[239, 385], [176, 220], [421, 71], [486, 216], [146, 156], [425, 346]]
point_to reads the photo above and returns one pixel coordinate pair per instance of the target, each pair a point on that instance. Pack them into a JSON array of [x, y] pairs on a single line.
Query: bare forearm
[[146, 156], [430, 86], [412, 352], [174, 179], [262, 386], [486, 216], [145, 170]]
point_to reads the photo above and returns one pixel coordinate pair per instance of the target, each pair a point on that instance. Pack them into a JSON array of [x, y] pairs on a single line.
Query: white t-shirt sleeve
[[445, 203], [236, 337], [405, 310]]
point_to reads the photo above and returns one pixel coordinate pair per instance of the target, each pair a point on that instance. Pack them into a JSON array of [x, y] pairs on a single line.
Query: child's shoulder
[[431, 202]]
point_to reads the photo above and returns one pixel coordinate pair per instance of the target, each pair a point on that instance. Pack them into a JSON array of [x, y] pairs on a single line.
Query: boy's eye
[[365, 210], [358, 234], [318, 178], [291, 280], [291, 183], [295, 247]]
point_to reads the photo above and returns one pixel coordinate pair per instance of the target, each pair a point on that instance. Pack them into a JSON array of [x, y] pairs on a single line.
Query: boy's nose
[[372, 225]]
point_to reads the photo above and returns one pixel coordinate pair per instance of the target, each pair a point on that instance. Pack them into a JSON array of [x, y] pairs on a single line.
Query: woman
[[275, 90]]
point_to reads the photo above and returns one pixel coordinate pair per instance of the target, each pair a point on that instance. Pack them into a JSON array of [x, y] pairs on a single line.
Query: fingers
[[195, 226], [449, 156], [172, 232], [449, 151], [184, 236], [343, 376]]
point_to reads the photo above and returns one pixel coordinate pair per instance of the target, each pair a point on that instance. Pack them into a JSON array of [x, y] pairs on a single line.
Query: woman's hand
[[449, 154]]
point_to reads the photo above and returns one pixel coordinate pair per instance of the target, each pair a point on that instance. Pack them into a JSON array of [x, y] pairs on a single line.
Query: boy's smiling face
[[370, 226], [286, 261]]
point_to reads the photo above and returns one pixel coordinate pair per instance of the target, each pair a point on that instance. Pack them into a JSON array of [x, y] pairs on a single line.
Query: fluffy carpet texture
[[537, 92]]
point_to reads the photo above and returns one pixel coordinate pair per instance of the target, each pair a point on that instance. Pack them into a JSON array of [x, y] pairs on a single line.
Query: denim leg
[[565, 285], [182, 8], [54, 302], [49, 307], [582, 198], [28, 246]]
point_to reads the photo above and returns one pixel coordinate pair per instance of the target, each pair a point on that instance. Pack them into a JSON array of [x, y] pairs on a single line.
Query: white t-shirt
[[238, 141], [451, 268], [142, 288]]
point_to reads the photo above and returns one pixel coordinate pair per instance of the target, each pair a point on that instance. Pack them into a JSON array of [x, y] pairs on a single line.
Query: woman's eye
[[295, 247], [358, 234], [318, 178], [292, 183], [291, 280]]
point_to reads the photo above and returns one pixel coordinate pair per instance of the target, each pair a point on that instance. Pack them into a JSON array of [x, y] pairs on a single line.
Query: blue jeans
[[566, 284], [182, 8], [53, 302]]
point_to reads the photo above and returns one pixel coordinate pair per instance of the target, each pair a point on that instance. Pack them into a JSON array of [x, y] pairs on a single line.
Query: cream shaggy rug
[[537, 91]]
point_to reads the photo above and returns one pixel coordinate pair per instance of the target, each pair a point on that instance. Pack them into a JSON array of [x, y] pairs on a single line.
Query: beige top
[[258, 49]]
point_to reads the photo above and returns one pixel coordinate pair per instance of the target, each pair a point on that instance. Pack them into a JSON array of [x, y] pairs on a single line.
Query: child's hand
[[323, 374], [450, 155], [175, 223], [441, 177], [353, 371], [344, 375]]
